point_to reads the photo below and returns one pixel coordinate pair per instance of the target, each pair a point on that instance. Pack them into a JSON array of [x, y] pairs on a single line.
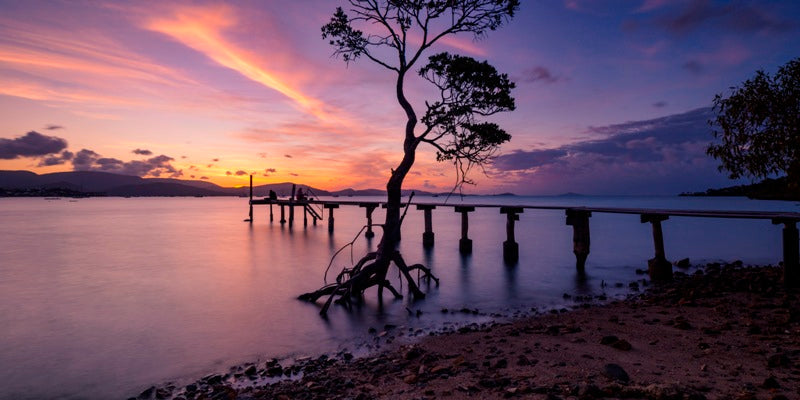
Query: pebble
[[615, 372]]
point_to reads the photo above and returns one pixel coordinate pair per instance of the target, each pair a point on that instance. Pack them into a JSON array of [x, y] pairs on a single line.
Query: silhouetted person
[[300, 195], [273, 195]]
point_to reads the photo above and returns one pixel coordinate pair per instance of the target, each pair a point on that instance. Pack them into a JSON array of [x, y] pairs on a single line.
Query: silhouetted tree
[[398, 34], [759, 126]]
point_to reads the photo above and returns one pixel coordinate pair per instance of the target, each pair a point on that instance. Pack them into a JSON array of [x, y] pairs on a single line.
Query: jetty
[[659, 267]]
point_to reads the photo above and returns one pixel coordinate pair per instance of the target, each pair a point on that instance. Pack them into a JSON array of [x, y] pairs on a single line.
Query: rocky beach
[[723, 331]]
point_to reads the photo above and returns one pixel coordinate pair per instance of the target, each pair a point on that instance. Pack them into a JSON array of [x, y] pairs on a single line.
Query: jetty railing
[[659, 267]]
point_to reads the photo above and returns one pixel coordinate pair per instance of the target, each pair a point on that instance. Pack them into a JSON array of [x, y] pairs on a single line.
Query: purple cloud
[[52, 127], [539, 74], [269, 171], [88, 160], [694, 67], [736, 17], [240, 173], [658, 156], [519, 159], [59, 159], [84, 160], [143, 152], [32, 144]]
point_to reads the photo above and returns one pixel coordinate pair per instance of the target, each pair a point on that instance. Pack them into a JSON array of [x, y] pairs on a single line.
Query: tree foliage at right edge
[[758, 126]]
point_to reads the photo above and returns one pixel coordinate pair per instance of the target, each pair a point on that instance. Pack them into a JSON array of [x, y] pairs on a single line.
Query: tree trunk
[[391, 228], [391, 231], [365, 274]]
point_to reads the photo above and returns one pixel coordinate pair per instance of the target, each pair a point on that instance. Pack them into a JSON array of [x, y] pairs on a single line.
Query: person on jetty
[[273, 195], [300, 196]]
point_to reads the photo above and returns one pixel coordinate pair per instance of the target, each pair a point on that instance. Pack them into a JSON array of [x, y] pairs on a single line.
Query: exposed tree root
[[352, 282], [370, 271]]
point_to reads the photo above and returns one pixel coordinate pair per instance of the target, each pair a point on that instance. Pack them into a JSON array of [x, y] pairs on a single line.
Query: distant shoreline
[[768, 189]]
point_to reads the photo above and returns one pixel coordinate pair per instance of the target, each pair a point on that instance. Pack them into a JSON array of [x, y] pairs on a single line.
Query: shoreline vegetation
[[723, 331], [768, 189]]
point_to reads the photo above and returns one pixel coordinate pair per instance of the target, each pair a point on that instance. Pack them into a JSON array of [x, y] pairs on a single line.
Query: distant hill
[[94, 183], [768, 189]]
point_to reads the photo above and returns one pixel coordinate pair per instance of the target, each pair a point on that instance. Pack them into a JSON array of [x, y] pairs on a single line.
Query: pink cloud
[[650, 5]]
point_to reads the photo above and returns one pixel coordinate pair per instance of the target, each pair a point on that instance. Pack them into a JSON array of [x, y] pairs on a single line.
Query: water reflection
[[108, 296]]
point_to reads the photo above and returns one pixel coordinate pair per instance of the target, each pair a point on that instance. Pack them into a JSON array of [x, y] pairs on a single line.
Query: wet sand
[[724, 332]]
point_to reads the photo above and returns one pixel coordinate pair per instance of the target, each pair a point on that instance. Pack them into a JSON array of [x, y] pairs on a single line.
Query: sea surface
[[104, 297]]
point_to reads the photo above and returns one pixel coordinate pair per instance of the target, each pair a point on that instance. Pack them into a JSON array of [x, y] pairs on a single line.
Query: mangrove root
[[369, 271]]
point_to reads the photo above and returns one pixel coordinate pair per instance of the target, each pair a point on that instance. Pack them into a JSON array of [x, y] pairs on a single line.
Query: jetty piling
[[579, 220], [427, 236], [510, 246], [291, 207], [251, 199], [330, 207], [465, 243], [370, 207], [791, 252], [578, 217], [659, 268]]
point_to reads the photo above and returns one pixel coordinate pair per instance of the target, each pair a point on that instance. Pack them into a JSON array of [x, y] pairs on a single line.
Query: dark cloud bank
[[736, 16], [658, 156], [52, 150], [32, 144], [88, 160]]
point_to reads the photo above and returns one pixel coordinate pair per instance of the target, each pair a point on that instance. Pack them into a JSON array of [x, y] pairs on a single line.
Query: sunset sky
[[612, 96]]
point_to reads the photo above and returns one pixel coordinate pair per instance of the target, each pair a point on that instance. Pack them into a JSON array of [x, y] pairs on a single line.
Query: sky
[[613, 96]]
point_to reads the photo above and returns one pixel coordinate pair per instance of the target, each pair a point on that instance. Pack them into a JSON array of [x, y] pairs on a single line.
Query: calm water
[[102, 297]]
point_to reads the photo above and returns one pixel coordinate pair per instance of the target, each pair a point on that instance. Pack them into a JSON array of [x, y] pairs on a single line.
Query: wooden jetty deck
[[659, 267]]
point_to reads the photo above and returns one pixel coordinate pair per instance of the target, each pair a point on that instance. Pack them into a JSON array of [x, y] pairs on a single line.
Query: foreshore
[[723, 332]]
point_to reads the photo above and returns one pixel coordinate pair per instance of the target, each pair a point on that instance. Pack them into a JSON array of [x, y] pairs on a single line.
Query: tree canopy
[[758, 126], [399, 34], [468, 89]]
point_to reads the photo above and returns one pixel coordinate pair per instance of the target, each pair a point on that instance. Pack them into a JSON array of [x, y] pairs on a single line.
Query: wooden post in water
[[427, 236], [465, 243], [291, 207], [251, 199], [791, 252], [305, 216], [510, 246], [658, 267], [370, 208], [283, 215], [271, 218], [579, 219], [330, 208]]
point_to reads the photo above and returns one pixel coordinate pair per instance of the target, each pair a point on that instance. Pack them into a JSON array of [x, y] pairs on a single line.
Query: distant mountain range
[[93, 183]]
